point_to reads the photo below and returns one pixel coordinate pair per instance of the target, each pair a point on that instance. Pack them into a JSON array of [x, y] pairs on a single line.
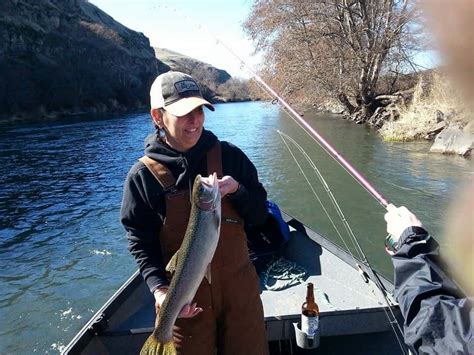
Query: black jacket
[[143, 204], [438, 316]]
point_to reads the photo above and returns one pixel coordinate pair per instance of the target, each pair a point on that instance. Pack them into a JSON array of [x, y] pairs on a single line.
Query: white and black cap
[[176, 92]]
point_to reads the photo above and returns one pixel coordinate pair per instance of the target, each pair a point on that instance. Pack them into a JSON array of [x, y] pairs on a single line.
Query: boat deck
[[347, 304]]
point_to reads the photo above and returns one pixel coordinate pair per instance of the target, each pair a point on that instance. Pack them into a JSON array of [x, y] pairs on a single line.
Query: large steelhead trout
[[190, 263]]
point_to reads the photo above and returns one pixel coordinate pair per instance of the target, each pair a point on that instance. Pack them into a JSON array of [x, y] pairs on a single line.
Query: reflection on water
[[63, 250]]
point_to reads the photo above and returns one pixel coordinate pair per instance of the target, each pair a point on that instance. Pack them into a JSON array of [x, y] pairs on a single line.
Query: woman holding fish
[[207, 298]]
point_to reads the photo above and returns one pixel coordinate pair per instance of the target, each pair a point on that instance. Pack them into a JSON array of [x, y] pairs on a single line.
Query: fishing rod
[[323, 143], [313, 133]]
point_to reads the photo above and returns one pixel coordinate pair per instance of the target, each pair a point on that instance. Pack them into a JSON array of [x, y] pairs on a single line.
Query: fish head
[[206, 195]]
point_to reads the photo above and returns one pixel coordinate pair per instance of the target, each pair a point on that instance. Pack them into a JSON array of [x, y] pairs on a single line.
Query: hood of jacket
[[184, 166]]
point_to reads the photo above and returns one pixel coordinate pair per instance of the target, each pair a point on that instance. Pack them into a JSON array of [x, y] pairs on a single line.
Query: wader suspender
[[161, 173]]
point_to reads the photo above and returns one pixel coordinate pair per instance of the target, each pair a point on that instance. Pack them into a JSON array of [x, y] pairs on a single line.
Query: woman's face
[[183, 132]]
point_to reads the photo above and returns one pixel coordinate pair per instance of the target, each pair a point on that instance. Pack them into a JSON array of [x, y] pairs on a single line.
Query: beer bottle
[[310, 315]]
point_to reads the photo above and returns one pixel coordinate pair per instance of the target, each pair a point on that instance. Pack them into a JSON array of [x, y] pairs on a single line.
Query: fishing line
[[323, 182], [396, 328], [333, 200]]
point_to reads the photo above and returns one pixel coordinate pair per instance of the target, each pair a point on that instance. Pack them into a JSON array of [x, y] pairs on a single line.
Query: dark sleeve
[[143, 222], [438, 316], [250, 198]]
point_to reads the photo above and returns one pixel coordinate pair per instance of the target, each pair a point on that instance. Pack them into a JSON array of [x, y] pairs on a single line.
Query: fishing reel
[[391, 245]]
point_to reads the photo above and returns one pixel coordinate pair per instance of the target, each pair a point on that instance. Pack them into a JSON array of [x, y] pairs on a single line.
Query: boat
[[353, 314]]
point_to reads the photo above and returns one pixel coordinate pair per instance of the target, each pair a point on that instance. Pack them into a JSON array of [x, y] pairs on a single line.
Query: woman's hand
[[159, 295], [188, 311], [227, 185]]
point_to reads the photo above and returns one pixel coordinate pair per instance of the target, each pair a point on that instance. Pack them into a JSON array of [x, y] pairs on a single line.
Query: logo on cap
[[186, 85]]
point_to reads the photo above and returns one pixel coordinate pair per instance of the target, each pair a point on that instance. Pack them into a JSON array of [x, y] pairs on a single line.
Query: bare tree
[[319, 50]]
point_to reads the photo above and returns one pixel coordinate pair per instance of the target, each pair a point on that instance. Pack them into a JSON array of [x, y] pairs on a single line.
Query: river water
[[63, 251]]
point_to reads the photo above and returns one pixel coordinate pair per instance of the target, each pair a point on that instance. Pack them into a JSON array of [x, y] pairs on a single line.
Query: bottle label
[[309, 325]]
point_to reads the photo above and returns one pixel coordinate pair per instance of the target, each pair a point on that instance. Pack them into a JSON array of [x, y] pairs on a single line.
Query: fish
[[190, 264]]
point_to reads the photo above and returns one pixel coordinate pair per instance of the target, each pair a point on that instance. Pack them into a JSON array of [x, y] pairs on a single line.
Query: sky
[[190, 27]]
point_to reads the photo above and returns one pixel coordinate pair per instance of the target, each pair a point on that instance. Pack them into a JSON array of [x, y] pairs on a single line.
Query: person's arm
[[143, 224], [438, 316], [250, 197]]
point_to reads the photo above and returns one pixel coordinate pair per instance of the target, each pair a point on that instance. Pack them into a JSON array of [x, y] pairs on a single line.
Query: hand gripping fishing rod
[[323, 143]]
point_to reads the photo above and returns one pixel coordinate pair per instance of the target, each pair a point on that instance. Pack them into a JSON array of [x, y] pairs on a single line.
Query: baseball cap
[[177, 93]]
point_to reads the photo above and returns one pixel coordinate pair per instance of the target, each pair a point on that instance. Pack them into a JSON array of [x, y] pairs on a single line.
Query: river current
[[63, 251]]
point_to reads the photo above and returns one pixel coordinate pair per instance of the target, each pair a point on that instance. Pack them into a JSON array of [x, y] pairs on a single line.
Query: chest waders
[[232, 320]]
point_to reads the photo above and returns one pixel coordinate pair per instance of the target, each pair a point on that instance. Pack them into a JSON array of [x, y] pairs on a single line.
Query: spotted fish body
[[190, 263]]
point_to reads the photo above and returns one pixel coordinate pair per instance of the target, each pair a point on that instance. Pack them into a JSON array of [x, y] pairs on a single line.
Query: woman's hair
[[162, 112]]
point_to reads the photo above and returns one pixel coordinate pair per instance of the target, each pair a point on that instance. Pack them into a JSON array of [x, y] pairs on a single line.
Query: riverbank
[[43, 115], [435, 107], [429, 108]]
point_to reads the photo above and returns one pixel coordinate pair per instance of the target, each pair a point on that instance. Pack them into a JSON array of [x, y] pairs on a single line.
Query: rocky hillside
[[68, 56]]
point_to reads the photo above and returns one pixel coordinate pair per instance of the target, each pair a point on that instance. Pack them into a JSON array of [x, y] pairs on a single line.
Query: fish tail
[[153, 347]]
